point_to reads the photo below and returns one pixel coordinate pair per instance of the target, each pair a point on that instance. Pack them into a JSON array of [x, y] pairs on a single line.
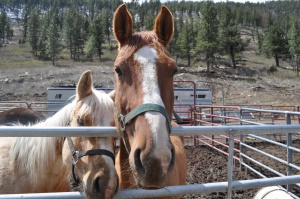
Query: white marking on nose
[[146, 57]]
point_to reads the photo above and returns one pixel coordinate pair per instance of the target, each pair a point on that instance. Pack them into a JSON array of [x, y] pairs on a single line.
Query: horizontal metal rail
[[169, 190], [271, 111], [270, 156], [221, 151], [263, 165], [18, 131], [275, 143]]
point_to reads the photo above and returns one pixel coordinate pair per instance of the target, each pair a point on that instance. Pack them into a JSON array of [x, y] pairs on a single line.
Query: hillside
[[25, 78]]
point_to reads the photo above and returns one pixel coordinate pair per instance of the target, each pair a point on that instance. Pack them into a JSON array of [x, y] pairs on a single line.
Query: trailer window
[[58, 96]]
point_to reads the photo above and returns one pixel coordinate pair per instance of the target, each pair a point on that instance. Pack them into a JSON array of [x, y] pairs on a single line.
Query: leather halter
[[79, 154], [125, 119]]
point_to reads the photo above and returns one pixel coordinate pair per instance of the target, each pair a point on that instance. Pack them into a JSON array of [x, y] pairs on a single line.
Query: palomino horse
[[24, 116], [43, 164], [144, 100]]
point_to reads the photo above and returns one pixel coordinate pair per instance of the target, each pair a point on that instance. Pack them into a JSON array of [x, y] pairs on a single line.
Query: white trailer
[[58, 97]]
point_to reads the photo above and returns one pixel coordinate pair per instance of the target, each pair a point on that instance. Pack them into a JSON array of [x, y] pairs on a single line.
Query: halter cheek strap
[[79, 154], [124, 119]]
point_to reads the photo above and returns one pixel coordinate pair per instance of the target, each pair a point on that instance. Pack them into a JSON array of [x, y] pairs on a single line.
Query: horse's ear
[[164, 25], [85, 85], [112, 95], [123, 25]]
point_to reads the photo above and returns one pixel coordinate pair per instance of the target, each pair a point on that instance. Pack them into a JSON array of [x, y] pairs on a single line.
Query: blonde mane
[[98, 104], [36, 154]]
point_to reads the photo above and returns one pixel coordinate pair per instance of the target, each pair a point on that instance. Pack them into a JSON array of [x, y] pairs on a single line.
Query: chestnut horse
[[144, 98], [24, 116], [43, 164]]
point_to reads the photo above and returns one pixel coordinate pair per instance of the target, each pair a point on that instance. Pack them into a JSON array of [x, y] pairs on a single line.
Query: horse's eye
[[80, 122], [118, 71]]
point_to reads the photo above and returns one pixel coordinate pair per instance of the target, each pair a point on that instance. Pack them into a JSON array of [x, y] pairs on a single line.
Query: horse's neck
[[126, 179], [61, 118], [36, 155]]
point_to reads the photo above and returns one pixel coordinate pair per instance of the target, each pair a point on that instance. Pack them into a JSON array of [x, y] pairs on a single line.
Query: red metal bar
[[236, 158], [225, 145]]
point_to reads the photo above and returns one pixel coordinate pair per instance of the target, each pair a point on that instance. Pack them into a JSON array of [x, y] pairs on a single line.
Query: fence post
[[289, 142], [230, 163]]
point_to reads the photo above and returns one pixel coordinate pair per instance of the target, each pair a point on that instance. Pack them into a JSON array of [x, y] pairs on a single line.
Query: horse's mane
[[98, 105], [36, 154]]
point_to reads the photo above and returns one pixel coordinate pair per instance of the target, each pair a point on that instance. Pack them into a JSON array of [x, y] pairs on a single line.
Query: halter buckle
[[122, 122], [75, 157]]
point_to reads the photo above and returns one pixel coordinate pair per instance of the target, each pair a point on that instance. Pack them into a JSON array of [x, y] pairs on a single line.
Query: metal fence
[[229, 186]]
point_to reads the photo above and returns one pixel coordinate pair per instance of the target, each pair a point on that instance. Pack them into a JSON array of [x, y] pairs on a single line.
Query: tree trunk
[[297, 66], [207, 65], [276, 60], [232, 59]]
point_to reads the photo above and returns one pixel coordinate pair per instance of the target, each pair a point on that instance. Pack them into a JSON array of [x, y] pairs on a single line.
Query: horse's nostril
[[97, 184], [137, 161]]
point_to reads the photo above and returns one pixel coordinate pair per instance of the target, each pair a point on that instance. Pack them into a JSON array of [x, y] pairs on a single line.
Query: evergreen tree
[[33, 29], [74, 32], [25, 16], [294, 45], [53, 42], [79, 36], [45, 22], [275, 43], [3, 24], [106, 17], [207, 39], [68, 31], [231, 42], [185, 41], [98, 34], [90, 47]]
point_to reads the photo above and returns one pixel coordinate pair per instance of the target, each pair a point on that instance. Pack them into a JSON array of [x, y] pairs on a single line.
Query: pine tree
[[294, 45], [231, 42], [25, 16], [68, 31], [90, 47], [98, 34], [53, 42], [185, 41], [275, 43], [3, 23], [106, 17], [33, 29], [207, 38]]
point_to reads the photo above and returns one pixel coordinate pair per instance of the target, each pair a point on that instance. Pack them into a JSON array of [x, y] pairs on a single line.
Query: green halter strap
[[124, 119]]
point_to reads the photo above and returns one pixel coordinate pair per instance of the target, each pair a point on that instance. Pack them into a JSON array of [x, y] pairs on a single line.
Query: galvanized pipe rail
[[169, 190], [17, 131], [231, 131]]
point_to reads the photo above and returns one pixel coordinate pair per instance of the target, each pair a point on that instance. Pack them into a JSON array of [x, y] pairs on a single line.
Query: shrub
[[272, 69]]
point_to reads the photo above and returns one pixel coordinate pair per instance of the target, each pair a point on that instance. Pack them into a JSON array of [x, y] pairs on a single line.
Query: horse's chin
[[143, 184]]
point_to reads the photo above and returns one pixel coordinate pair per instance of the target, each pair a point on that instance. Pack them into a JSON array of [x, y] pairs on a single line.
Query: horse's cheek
[[66, 155]]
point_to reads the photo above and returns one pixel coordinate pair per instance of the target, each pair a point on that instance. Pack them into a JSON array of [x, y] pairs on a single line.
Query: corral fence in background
[[231, 132]]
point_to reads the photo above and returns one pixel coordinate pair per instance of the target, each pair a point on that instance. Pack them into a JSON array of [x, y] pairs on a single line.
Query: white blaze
[[147, 56]]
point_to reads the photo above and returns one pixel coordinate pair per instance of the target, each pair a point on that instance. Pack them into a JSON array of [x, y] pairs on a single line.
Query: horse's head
[[95, 169], [144, 78]]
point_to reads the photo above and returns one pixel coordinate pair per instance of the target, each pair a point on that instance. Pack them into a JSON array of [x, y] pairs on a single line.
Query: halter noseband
[[124, 119], [79, 154]]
